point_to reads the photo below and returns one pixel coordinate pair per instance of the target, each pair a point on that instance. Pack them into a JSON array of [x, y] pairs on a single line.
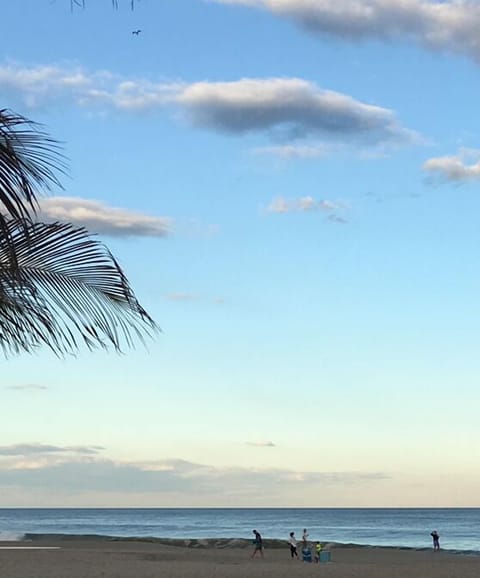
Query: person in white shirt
[[305, 537]]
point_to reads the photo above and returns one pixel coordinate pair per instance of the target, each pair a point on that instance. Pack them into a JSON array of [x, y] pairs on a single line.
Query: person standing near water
[[293, 546], [436, 541], [258, 542], [305, 537]]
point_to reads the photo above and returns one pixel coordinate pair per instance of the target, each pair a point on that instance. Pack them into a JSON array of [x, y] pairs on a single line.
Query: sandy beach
[[92, 558]]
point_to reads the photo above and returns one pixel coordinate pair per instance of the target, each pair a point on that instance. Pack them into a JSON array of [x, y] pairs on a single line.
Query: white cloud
[[327, 205], [306, 204], [292, 151], [138, 95], [42, 85], [98, 217], [455, 168], [293, 107], [27, 387], [264, 444], [450, 25], [279, 205], [289, 107]]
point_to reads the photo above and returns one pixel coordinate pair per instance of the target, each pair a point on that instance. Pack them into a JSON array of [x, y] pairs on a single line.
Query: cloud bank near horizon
[[284, 108], [447, 25], [68, 470], [26, 450]]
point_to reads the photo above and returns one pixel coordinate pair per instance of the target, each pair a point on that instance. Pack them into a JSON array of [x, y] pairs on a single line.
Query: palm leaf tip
[[30, 163], [66, 289]]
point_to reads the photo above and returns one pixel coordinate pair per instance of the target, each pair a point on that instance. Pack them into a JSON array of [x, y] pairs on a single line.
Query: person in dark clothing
[[258, 543], [436, 541]]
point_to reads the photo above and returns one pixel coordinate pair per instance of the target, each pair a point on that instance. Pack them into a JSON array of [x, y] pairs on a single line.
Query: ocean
[[459, 528]]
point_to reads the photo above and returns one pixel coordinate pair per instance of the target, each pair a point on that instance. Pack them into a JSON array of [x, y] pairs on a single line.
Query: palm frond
[[30, 161], [65, 288]]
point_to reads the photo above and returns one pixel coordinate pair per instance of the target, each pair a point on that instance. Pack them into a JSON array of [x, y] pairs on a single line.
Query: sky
[[292, 188]]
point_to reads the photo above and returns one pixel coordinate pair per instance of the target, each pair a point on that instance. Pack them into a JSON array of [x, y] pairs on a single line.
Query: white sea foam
[[6, 536], [29, 547]]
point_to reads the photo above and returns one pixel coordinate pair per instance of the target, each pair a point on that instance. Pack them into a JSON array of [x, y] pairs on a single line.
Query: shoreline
[[222, 543], [382, 528]]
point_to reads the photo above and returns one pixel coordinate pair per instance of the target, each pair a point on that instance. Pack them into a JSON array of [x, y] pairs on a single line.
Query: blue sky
[[292, 189]]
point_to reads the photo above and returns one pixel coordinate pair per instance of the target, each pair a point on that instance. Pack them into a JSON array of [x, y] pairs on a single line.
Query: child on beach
[[293, 546], [318, 549]]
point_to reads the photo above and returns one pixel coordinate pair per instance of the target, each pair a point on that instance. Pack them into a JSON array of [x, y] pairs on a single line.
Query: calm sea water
[[459, 528]]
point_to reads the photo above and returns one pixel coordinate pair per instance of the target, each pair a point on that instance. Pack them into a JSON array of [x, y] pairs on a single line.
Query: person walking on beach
[[258, 543], [436, 541], [293, 546]]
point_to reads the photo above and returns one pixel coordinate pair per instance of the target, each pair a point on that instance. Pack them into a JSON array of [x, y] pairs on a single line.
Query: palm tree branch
[[30, 161], [71, 280]]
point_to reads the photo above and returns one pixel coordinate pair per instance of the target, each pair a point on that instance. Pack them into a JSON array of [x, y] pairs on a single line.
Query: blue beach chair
[[306, 555]]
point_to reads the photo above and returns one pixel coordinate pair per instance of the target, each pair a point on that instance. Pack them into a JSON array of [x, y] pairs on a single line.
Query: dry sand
[[132, 559]]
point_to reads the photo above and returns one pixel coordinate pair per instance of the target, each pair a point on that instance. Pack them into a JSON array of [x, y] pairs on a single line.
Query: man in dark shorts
[[258, 544]]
